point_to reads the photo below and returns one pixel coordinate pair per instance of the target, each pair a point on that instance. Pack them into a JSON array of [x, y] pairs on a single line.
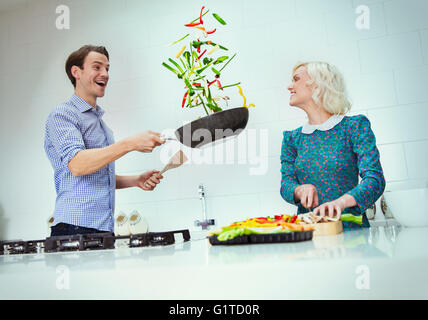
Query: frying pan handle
[[166, 137]]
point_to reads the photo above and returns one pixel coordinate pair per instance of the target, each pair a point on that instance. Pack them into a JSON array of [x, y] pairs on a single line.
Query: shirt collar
[[83, 106], [327, 125]]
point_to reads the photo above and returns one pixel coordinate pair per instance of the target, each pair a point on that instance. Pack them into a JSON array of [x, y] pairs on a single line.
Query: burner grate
[[93, 241]]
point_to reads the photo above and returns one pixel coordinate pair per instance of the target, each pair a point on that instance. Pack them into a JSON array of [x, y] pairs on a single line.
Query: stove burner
[[80, 242], [94, 241], [21, 247]]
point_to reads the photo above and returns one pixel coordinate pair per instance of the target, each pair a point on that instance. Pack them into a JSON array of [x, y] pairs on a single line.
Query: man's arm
[[146, 181], [90, 160], [126, 181]]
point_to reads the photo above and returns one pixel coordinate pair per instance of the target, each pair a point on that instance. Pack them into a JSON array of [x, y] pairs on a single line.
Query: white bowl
[[121, 225], [137, 223], [409, 207]]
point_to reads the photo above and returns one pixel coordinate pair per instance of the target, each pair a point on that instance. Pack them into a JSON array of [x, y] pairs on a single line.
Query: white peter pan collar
[[327, 125]]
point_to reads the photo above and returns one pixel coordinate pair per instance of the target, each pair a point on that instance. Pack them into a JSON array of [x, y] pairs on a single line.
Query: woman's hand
[[337, 206], [149, 180], [307, 195], [332, 208]]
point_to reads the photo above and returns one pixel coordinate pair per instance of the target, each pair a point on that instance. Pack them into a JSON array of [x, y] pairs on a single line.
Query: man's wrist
[[128, 145]]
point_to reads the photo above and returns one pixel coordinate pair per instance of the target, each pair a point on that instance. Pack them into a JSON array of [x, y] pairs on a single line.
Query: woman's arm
[[372, 182], [288, 180]]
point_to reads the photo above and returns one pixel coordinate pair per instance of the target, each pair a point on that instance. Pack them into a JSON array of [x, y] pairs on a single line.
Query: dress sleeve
[[372, 182], [64, 133], [288, 179]]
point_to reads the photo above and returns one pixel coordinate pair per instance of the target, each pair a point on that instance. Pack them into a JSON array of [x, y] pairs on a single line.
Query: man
[[82, 150]]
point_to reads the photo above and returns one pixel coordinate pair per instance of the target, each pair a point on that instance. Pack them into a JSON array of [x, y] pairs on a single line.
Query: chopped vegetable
[[180, 52], [245, 99], [199, 57], [194, 24], [215, 71], [230, 85], [227, 62], [214, 49], [219, 19], [189, 66], [262, 225], [172, 43], [184, 99], [349, 217]]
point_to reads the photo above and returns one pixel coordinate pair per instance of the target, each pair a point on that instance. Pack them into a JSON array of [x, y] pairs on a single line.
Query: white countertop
[[384, 262]]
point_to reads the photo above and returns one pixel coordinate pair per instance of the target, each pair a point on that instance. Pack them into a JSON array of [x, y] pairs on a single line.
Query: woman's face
[[300, 91]]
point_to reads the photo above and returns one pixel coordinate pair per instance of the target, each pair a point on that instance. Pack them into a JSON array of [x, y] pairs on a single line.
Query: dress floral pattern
[[332, 160]]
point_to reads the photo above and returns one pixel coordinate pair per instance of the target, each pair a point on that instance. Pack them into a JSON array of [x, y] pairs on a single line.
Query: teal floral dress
[[332, 160]]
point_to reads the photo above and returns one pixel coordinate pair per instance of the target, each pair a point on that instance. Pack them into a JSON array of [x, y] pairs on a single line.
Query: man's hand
[[307, 195], [145, 141], [148, 180]]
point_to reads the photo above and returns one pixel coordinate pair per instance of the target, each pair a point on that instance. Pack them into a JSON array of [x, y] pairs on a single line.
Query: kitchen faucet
[[206, 222]]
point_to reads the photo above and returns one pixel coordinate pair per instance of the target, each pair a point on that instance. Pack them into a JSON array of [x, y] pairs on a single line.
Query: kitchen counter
[[382, 262]]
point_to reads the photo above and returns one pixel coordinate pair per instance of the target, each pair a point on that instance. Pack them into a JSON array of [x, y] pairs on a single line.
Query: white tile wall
[[400, 123], [385, 69], [392, 158], [394, 51], [405, 15], [411, 84], [417, 159], [424, 40]]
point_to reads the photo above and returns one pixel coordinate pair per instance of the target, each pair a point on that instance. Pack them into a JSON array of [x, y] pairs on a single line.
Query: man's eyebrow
[[108, 65]]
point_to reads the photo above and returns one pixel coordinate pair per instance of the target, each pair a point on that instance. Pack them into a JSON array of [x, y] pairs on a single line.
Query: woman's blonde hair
[[330, 91]]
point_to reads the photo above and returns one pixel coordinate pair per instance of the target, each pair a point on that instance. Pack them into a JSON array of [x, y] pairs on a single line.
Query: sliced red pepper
[[211, 32], [184, 99], [194, 24], [202, 54], [198, 49], [197, 84], [210, 83], [293, 219], [200, 15], [219, 85]]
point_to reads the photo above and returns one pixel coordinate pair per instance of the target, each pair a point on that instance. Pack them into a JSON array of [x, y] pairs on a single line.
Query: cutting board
[[328, 228]]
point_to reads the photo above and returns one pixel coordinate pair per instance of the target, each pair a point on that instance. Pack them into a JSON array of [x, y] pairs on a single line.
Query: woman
[[321, 161]]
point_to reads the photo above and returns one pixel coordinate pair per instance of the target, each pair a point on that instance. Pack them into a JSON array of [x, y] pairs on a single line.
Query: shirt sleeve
[[64, 133], [372, 182], [288, 179]]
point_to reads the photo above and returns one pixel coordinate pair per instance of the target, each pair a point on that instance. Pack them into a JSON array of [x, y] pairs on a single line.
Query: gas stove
[[93, 241]]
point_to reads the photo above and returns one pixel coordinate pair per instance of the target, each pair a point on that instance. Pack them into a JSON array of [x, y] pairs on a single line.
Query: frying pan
[[220, 125]]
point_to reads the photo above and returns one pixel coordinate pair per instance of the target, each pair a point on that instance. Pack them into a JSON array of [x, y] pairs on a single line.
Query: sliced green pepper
[[215, 71], [349, 217], [176, 64], [219, 19]]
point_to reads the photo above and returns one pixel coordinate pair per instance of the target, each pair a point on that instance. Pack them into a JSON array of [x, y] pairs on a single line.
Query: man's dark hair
[[77, 58]]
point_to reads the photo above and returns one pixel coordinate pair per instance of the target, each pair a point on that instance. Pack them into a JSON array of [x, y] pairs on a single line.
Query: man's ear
[[76, 72]]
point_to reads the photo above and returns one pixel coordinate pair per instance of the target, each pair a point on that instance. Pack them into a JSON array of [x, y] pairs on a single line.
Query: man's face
[[93, 78]]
